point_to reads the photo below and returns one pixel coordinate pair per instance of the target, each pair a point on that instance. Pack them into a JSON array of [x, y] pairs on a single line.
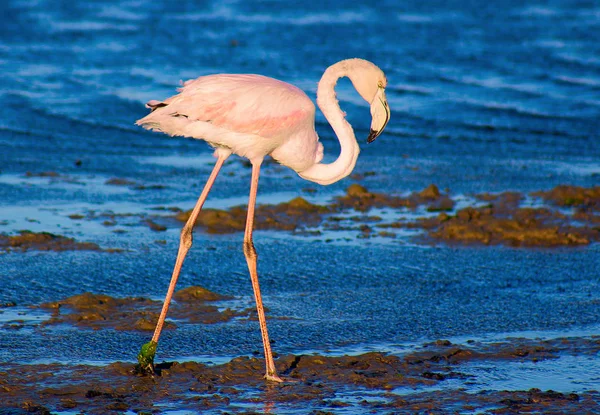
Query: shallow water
[[483, 98]]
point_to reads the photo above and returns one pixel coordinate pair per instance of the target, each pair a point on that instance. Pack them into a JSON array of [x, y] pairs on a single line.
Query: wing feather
[[250, 104], [250, 114]]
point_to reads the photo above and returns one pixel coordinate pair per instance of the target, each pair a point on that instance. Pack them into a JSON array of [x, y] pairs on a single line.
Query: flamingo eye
[[380, 84]]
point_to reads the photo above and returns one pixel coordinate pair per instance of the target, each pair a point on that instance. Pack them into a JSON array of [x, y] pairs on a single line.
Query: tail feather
[[164, 122], [155, 104]]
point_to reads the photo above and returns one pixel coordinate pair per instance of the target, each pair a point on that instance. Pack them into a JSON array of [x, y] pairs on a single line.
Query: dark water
[[483, 97]]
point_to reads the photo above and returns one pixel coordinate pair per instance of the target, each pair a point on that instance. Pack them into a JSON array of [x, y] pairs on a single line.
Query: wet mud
[[43, 241], [55, 177], [298, 214], [495, 219], [562, 216], [97, 311], [287, 216], [116, 181], [521, 227], [504, 221], [573, 196], [415, 382], [360, 199]]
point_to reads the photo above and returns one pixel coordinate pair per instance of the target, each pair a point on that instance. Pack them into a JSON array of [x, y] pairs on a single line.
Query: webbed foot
[[273, 378]]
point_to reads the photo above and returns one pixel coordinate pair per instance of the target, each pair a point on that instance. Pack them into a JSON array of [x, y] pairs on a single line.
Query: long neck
[[328, 103]]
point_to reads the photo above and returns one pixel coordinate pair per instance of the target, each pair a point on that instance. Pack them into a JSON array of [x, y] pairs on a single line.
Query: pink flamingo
[[254, 116]]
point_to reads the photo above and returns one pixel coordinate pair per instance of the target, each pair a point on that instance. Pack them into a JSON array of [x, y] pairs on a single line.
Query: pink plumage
[[251, 115], [254, 116]]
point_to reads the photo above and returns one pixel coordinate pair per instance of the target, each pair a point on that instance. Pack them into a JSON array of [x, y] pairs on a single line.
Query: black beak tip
[[372, 136]]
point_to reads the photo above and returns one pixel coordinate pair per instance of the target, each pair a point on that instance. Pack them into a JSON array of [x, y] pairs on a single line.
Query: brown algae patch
[[43, 241], [563, 216], [287, 216], [357, 197], [42, 174], [53, 177], [99, 311], [502, 221], [298, 213], [572, 196], [416, 382], [521, 227], [116, 181], [109, 218]]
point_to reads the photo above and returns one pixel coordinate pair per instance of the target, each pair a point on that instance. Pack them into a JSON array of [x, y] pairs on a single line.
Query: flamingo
[[254, 116]]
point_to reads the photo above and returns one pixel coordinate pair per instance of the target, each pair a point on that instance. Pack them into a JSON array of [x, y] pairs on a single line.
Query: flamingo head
[[370, 83]]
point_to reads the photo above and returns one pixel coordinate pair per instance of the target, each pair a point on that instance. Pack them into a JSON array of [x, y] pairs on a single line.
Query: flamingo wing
[[250, 104], [251, 115]]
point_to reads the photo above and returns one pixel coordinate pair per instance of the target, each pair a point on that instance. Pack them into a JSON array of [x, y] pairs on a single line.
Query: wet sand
[[499, 219], [431, 378], [415, 382], [434, 378], [191, 305], [43, 241], [563, 216]]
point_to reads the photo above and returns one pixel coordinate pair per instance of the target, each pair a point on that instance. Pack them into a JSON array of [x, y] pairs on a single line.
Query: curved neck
[[328, 103]]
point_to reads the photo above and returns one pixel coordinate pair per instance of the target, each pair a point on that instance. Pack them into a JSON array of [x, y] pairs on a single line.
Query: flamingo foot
[[146, 358], [273, 378]]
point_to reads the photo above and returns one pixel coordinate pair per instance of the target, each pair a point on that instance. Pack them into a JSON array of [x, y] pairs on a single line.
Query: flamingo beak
[[380, 111]]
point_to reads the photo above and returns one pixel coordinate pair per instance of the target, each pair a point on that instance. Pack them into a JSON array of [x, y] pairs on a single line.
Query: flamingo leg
[[251, 257], [146, 355]]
